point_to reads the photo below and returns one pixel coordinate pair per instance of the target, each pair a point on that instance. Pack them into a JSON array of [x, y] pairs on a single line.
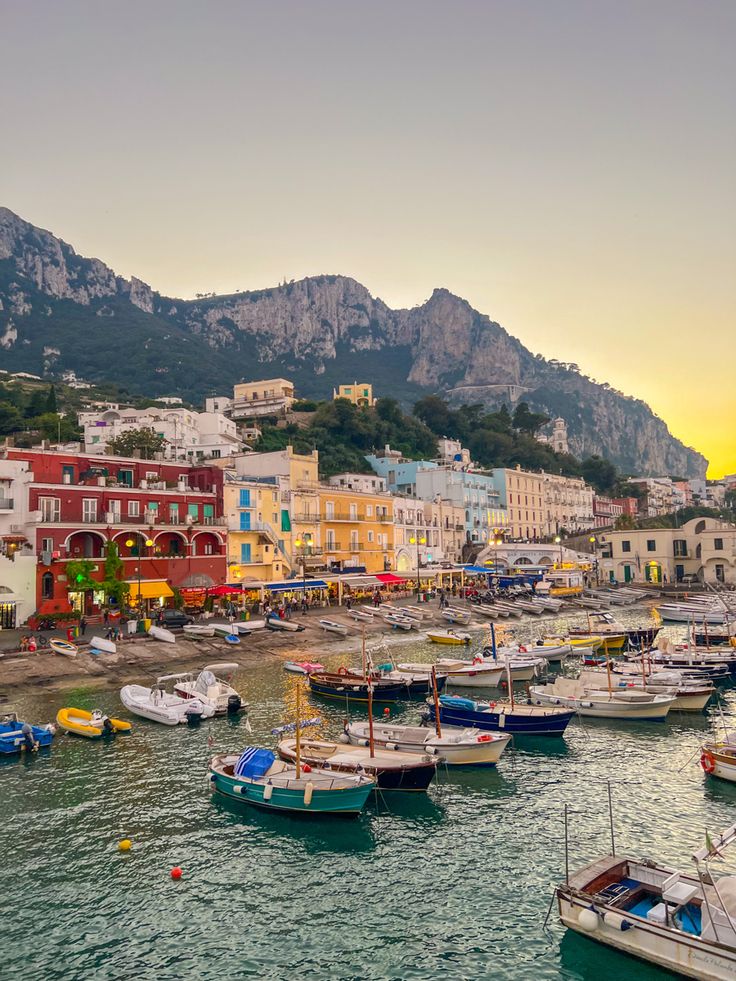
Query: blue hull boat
[[14, 740], [354, 689], [521, 720]]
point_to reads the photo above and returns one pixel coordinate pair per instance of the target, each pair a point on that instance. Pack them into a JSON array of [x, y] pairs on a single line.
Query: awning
[[389, 579], [150, 589], [225, 590], [478, 570], [360, 582], [293, 584]]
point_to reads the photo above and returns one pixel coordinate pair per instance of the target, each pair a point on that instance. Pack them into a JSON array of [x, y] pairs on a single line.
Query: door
[[245, 520], [627, 573]]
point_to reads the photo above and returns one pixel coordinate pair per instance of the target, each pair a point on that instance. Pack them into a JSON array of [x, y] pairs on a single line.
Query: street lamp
[[415, 540], [558, 541], [593, 542], [303, 545], [148, 543]]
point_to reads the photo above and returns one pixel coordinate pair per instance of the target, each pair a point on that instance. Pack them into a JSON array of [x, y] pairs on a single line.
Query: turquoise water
[[454, 884]]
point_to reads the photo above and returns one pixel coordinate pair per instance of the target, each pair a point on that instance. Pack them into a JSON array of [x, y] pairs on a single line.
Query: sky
[[567, 166]]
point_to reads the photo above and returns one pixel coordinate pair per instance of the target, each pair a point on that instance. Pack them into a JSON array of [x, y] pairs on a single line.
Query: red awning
[[224, 590], [389, 579]]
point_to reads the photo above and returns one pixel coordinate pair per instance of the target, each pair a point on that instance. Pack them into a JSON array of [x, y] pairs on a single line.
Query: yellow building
[[359, 393], [270, 397], [255, 546], [357, 528]]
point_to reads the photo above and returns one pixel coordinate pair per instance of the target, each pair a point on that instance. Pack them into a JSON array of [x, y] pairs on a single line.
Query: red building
[[165, 517], [606, 511], [629, 505]]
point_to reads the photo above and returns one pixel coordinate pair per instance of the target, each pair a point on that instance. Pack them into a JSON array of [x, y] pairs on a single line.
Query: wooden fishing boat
[[456, 745], [17, 736], [91, 725], [63, 647], [417, 684], [161, 633], [455, 615], [211, 687], [400, 622], [623, 705], [514, 718], [392, 770], [691, 694], [452, 637], [684, 923], [364, 616], [718, 758], [257, 777], [549, 653], [303, 667], [462, 674], [343, 686]]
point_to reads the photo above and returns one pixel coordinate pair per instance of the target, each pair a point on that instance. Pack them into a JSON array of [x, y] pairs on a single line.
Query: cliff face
[[59, 310]]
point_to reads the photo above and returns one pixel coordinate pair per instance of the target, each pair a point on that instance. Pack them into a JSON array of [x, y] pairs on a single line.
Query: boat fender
[[391, 746], [240, 790], [501, 720], [211, 778], [616, 922], [342, 670], [588, 920], [707, 761], [268, 791], [306, 768], [431, 750], [343, 737], [586, 705], [308, 791], [522, 648], [364, 742]]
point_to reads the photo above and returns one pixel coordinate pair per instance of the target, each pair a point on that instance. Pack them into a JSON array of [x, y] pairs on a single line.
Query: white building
[[557, 438], [17, 556], [188, 435], [363, 483], [567, 504], [432, 531], [660, 497]]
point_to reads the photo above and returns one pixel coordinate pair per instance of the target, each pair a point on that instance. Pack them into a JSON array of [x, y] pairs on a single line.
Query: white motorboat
[[456, 745], [198, 630], [551, 653], [691, 695], [161, 633], [158, 705], [103, 644], [452, 637], [211, 687], [333, 627], [623, 705], [683, 923]]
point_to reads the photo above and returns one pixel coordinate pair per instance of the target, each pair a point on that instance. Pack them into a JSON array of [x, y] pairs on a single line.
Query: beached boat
[[455, 615], [363, 616], [248, 626], [352, 688], [211, 687], [276, 623], [400, 622], [486, 610], [161, 633], [624, 705], [718, 757], [391, 769], [198, 630], [451, 637], [456, 745], [63, 647], [333, 627], [303, 667], [514, 718], [91, 725], [102, 644], [158, 705], [683, 923], [258, 777], [17, 736]]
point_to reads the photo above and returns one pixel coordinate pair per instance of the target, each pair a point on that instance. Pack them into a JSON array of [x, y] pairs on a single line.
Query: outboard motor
[[234, 704], [194, 712], [108, 727]]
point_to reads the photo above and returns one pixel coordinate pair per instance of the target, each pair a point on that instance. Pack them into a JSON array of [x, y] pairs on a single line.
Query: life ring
[[707, 761], [342, 670]]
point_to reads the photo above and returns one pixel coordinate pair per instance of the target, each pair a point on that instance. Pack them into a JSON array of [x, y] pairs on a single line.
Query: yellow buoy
[[125, 845]]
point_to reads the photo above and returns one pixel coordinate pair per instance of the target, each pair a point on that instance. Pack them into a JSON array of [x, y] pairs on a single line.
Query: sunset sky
[[568, 166]]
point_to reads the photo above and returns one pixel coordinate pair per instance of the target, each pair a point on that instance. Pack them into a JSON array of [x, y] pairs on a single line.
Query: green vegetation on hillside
[[30, 413]]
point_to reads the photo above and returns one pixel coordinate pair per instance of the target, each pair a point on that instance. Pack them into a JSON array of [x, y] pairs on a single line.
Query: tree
[[145, 441], [527, 421], [11, 421], [113, 583], [52, 426], [600, 473], [51, 400], [434, 412]]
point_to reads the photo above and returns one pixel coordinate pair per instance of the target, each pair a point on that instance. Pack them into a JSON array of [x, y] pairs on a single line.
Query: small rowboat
[[231, 639], [102, 644], [457, 746], [199, 630], [59, 646], [91, 725], [332, 626], [17, 736], [392, 770], [362, 615], [456, 637], [276, 623], [303, 667], [161, 633], [718, 758]]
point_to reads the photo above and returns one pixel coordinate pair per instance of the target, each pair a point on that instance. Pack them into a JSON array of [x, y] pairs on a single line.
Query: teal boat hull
[[348, 801]]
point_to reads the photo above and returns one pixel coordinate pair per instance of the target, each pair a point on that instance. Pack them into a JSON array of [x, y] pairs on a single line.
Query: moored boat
[[456, 745], [391, 769], [718, 757], [303, 667], [17, 736], [91, 725], [258, 778], [517, 719], [211, 687], [452, 637], [627, 704], [158, 705], [355, 689]]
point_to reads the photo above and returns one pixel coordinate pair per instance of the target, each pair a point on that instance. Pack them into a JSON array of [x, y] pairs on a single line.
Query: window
[[113, 508], [174, 513], [50, 508], [193, 511], [245, 520], [68, 473], [134, 509], [369, 510], [680, 548], [125, 477], [329, 510], [720, 575], [89, 509], [370, 537], [625, 546], [244, 498], [651, 545], [151, 475], [718, 544], [245, 552], [47, 544], [47, 586], [207, 548], [353, 512], [208, 513]]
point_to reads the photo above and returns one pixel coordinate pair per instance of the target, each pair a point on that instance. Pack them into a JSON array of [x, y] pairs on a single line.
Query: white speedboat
[[333, 627], [456, 745], [683, 923], [161, 633], [211, 687], [600, 703], [158, 705], [198, 630]]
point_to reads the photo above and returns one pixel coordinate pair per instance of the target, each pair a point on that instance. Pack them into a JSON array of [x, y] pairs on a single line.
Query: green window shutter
[[208, 510], [285, 520]]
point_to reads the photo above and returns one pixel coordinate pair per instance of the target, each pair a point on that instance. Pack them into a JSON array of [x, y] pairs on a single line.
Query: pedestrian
[[349, 602], [106, 618], [305, 605], [82, 626]]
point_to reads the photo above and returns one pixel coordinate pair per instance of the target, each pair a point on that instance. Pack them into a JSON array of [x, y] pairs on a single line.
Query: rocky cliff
[[59, 310]]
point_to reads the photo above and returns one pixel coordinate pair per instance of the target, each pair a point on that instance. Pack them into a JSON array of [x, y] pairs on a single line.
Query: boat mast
[[435, 695], [371, 742], [608, 673], [298, 731]]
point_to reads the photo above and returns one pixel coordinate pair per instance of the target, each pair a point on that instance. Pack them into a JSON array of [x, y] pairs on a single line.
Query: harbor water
[[453, 884]]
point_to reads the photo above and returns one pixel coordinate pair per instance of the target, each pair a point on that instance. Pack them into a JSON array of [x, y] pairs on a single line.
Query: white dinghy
[[161, 633], [162, 706]]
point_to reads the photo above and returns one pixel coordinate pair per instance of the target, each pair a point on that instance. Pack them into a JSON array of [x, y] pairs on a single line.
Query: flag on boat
[[291, 726]]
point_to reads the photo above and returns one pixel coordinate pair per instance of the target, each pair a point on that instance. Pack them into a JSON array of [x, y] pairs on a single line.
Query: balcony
[[306, 517]]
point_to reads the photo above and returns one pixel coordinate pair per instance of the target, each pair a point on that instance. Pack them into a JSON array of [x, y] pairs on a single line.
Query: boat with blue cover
[[258, 777], [19, 737], [502, 716]]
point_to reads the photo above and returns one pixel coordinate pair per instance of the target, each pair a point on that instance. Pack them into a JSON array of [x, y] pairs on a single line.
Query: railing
[[306, 516], [332, 546]]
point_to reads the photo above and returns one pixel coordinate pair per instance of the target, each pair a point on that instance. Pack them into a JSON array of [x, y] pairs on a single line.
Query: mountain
[[61, 311]]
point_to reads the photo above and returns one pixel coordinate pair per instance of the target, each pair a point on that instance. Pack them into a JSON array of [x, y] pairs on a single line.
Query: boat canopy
[[254, 763], [205, 680]]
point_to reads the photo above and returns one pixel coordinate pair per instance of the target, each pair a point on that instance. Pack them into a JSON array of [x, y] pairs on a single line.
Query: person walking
[[106, 618], [82, 626]]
